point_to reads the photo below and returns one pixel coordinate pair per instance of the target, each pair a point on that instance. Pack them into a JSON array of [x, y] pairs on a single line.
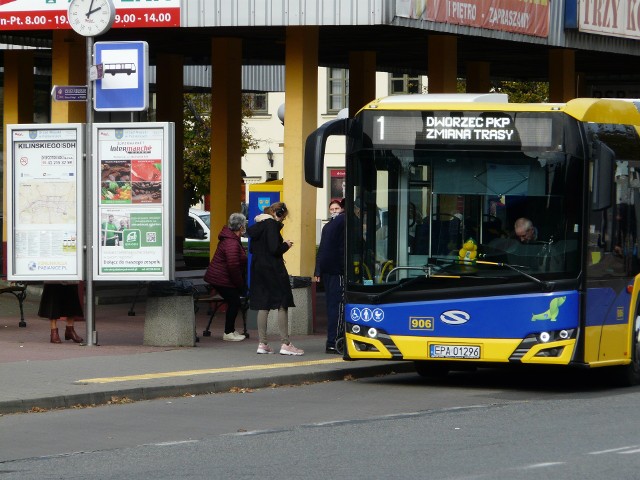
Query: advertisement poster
[[134, 181], [45, 226]]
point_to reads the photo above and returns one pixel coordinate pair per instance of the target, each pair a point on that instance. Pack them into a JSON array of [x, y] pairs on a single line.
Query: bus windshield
[[452, 216]]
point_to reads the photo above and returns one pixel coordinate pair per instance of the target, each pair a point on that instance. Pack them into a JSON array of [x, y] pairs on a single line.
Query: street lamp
[[270, 157]]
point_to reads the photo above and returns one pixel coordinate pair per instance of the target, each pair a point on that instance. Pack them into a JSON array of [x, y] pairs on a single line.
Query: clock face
[[91, 17]]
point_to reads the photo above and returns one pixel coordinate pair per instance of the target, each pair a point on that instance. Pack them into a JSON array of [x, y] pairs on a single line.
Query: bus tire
[[431, 369], [629, 375]]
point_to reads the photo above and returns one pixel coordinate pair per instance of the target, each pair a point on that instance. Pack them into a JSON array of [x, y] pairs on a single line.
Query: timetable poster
[[44, 194]]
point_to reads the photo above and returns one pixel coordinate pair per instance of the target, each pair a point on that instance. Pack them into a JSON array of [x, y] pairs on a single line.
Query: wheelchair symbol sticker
[[366, 314]]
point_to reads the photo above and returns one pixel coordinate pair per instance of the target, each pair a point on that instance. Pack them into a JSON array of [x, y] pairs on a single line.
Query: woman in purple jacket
[[227, 272]]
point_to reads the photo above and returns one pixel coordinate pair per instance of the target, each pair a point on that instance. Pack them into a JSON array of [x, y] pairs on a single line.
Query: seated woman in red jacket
[[228, 270]]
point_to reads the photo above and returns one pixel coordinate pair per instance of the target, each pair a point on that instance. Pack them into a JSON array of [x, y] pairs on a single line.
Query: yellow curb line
[[187, 373]]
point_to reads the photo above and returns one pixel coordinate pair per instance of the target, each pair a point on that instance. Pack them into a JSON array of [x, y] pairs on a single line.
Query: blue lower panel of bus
[[513, 316], [537, 328]]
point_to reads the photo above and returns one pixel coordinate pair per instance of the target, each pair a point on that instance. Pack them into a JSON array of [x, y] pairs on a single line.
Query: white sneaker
[[233, 337], [290, 350], [264, 348]]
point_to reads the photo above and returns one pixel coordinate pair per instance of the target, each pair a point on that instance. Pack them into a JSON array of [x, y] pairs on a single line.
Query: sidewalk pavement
[[37, 375]]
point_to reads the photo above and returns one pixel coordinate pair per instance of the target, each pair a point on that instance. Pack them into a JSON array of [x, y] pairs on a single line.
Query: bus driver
[[525, 230]]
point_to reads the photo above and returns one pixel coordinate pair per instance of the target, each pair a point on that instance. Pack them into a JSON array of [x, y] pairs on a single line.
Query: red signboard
[[516, 16], [337, 184], [45, 15]]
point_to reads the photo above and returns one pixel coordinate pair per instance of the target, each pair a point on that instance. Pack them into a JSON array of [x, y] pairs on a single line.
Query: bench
[[205, 293], [18, 290]]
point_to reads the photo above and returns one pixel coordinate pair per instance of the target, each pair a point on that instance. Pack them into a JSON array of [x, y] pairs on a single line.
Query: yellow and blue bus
[[482, 232]]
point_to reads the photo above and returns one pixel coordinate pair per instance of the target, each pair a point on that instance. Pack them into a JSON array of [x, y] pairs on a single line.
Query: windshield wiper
[[428, 273], [375, 299], [547, 286], [432, 271]]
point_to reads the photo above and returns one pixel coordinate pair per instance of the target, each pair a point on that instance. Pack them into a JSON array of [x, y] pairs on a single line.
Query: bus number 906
[[420, 323]]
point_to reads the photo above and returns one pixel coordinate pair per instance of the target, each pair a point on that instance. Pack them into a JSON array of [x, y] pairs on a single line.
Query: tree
[[525, 92], [518, 92], [197, 143]]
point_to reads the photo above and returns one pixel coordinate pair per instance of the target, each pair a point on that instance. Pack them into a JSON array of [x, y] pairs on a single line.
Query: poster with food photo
[[115, 171], [146, 176], [115, 186]]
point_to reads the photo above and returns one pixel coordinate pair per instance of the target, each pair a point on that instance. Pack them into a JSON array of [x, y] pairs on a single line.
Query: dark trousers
[[232, 297], [333, 287]]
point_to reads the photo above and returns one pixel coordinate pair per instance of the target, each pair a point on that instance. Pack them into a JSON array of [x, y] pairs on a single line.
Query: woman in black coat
[[269, 287]]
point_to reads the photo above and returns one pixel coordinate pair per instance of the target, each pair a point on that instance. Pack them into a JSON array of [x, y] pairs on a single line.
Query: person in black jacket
[[330, 269], [269, 287]]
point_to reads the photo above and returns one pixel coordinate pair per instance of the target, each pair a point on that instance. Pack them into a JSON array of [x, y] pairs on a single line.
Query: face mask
[[334, 214]]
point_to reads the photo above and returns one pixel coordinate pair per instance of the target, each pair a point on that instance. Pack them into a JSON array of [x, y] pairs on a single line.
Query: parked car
[[195, 250]]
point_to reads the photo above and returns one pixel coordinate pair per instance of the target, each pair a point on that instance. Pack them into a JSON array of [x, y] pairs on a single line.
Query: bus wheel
[[629, 375], [431, 369]]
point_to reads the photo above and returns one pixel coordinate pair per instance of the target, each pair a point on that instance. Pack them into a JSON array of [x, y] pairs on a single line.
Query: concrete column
[[362, 80], [562, 75], [17, 108], [169, 83], [443, 63], [226, 118], [68, 68], [301, 100], [18, 86], [478, 79]]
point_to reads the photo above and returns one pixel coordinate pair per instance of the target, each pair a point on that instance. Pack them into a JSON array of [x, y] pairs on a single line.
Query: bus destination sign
[[500, 129], [468, 128]]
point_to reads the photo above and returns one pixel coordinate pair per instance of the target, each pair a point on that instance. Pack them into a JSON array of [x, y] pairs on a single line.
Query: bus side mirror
[[602, 182], [314, 149]]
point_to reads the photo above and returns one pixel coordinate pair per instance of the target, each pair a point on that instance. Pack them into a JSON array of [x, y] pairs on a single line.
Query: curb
[[88, 399]]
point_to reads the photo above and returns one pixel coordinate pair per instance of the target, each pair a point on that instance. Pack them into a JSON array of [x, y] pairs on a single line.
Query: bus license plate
[[454, 351]]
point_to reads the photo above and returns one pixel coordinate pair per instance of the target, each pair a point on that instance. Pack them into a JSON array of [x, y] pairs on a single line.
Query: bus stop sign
[[124, 85]]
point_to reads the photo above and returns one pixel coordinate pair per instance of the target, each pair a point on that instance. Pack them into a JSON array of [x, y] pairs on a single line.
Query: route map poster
[[133, 166], [45, 214]]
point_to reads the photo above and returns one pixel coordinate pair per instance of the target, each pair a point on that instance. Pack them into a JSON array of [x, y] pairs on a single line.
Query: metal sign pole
[[92, 337]]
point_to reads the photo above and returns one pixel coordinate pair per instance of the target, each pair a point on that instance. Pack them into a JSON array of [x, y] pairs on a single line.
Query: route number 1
[[381, 122]]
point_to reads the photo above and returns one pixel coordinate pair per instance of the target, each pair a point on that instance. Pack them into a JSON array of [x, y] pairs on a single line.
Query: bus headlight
[[545, 337], [373, 333], [355, 329], [563, 334]]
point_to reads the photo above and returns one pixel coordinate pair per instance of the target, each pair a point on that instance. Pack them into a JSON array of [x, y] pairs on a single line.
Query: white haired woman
[[227, 272]]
